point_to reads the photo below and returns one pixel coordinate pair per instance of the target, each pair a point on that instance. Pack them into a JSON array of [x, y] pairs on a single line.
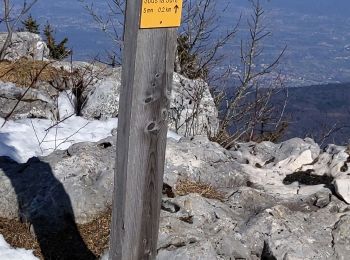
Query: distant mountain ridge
[[314, 110], [315, 31]]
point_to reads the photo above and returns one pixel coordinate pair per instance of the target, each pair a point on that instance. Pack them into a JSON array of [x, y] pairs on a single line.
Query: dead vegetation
[[23, 71], [94, 234], [18, 234], [187, 186]]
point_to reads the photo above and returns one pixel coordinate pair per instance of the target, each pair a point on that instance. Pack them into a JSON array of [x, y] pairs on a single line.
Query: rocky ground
[[283, 201], [272, 201]]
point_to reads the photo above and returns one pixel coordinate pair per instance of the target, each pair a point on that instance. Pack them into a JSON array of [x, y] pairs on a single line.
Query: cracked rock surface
[[280, 201], [36, 103], [25, 45]]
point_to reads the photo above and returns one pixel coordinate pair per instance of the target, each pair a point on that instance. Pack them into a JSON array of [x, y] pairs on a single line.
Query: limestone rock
[[200, 160], [77, 182], [267, 211], [25, 45], [278, 232], [202, 250], [35, 103], [334, 161], [290, 155], [103, 99], [250, 227], [85, 171], [66, 103], [341, 238], [342, 188], [185, 117]]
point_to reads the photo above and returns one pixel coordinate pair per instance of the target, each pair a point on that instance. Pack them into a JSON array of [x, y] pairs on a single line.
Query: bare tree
[[327, 131], [111, 22], [78, 80], [247, 111], [11, 19], [198, 49]]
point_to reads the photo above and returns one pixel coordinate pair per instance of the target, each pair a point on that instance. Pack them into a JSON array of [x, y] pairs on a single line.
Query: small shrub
[[188, 62], [31, 25], [58, 51]]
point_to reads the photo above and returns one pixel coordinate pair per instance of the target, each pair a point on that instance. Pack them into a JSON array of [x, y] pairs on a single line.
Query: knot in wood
[[152, 128]]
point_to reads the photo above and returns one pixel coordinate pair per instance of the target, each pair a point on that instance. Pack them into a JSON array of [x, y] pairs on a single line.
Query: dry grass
[[17, 234], [94, 234], [23, 71], [186, 186]]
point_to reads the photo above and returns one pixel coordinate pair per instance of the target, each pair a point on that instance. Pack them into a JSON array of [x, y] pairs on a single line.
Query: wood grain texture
[[148, 64]]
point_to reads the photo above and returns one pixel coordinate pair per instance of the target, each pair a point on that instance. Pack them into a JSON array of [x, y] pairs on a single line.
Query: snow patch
[[66, 103], [25, 138], [9, 253], [174, 135]]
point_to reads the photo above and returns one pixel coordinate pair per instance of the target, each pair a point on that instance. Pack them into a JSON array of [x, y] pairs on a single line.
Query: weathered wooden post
[[148, 64]]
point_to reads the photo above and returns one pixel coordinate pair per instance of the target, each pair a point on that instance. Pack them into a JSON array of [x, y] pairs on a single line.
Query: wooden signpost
[[148, 64]]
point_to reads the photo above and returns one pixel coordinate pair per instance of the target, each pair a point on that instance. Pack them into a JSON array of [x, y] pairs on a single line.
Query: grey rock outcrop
[[192, 107], [272, 166], [102, 99], [341, 237], [86, 172], [200, 160], [250, 227], [45, 188], [187, 116], [25, 45], [342, 188], [275, 205], [34, 102]]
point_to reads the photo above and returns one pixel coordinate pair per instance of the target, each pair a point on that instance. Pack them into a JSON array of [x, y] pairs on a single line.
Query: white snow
[[174, 135], [9, 253], [66, 103], [25, 138]]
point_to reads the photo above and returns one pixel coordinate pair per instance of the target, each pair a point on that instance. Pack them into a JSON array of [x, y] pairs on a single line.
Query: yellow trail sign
[[160, 13]]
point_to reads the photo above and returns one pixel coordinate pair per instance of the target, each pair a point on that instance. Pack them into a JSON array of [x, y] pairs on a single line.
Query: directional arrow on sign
[[159, 13]]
